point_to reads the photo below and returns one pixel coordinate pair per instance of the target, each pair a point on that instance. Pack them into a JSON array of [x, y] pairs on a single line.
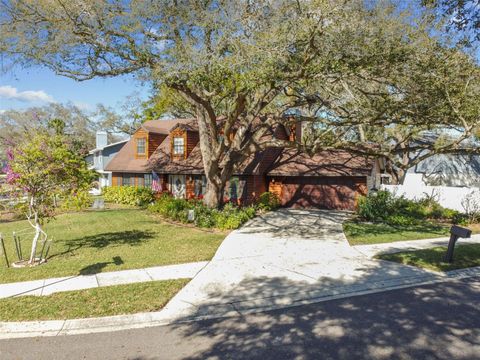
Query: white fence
[[448, 197]]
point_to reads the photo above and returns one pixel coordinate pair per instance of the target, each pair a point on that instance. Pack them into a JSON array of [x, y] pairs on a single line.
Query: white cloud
[[9, 92]]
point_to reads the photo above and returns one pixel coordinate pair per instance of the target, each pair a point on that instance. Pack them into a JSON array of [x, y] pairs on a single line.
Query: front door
[[177, 185]]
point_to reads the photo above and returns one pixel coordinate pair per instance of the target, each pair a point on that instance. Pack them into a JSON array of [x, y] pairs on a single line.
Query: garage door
[[319, 192]]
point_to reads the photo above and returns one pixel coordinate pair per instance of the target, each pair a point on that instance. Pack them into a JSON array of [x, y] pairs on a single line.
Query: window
[[128, 180], [200, 185], [141, 146], [178, 146], [234, 189], [147, 178]]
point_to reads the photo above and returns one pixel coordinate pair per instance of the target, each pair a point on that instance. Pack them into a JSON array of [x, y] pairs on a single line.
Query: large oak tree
[[368, 79]]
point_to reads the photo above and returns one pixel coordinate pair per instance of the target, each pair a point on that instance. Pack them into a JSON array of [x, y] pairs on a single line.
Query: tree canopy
[[369, 79], [42, 167]]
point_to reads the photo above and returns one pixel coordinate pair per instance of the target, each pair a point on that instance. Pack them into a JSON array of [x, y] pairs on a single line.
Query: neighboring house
[[170, 148], [100, 157], [456, 170]]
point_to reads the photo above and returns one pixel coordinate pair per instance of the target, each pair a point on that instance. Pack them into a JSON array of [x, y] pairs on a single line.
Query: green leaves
[[47, 167]]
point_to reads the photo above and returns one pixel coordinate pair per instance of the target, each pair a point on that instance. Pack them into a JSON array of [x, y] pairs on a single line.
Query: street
[[438, 321]]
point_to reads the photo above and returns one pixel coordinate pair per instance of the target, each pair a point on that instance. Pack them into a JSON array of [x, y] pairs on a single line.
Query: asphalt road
[[439, 321]]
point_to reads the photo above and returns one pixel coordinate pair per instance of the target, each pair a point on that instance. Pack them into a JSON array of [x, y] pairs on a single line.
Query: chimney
[[102, 139]]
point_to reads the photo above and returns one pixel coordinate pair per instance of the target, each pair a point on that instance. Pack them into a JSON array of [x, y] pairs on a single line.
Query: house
[[461, 169], [170, 148], [100, 157]]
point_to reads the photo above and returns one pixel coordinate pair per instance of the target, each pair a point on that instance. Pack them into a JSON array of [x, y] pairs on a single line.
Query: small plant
[[471, 205], [268, 201]]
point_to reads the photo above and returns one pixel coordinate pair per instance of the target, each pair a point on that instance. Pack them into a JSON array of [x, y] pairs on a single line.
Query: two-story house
[[100, 157], [170, 148]]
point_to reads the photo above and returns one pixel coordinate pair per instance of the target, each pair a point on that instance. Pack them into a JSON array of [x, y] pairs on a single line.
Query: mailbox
[[456, 232], [460, 231]]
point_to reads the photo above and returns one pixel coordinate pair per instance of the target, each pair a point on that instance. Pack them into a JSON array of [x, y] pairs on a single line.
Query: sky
[[37, 86]]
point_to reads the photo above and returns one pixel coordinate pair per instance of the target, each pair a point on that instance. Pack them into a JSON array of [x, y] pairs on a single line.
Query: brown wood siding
[[192, 139], [321, 192], [154, 141], [116, 179], [255, 186]]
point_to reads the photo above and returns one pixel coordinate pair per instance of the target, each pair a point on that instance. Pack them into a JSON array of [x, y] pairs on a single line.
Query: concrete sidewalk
[[398, 246], [80, 282]]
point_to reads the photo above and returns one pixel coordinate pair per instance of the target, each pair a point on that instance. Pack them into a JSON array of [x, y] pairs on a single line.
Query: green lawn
[[359, 233], [464, 256], [104, 301], [108, 240]]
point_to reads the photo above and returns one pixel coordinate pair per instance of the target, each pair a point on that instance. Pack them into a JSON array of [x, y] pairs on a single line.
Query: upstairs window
[[178, 146], [141, 146]]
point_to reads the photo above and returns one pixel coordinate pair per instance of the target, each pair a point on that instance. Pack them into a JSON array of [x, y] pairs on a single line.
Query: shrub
[[386, 207], [268, 201], [228, 218], [128, 195], [78, 201], [376, 207]]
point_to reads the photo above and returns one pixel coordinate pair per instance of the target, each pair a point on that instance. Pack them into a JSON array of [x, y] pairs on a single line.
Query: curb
[[12, 330]]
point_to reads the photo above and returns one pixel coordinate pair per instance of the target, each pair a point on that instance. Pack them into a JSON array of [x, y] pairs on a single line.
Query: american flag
[[156, 183]]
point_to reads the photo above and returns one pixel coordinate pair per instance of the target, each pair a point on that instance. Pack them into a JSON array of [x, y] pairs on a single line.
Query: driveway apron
[[280, 259]]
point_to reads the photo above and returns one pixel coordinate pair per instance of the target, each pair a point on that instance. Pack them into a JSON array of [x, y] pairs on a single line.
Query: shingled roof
[[325, 163], [164, 126], [272, 161]]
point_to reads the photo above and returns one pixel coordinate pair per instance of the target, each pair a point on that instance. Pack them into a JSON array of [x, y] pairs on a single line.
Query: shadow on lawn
[[98, 267], [100, 241]]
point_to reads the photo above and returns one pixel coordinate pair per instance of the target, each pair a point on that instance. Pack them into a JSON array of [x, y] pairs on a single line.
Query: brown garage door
[[320, 192]]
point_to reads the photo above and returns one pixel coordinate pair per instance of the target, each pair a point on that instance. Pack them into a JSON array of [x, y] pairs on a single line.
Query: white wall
[[448, 196]]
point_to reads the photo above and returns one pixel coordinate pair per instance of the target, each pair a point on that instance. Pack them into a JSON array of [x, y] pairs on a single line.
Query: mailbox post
[[456, 232]]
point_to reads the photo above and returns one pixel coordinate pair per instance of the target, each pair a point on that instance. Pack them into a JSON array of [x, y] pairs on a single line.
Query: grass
[[104, 301], [464, 256], [109, 240], [359, 233]]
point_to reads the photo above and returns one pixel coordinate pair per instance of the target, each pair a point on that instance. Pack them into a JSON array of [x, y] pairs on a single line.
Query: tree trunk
[[38, 232], [214, 195]]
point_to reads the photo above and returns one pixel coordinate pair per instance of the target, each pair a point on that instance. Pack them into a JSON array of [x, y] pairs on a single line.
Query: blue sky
[[36, 86]]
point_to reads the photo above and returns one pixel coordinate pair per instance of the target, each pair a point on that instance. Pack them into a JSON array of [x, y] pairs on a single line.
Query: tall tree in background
[[252, 62], [79, 123]]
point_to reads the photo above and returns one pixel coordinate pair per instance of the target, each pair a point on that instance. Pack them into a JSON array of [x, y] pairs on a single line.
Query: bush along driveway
[[383, 218]]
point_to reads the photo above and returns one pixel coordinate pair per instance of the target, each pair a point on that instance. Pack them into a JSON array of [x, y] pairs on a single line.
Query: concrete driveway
[[284, 258]]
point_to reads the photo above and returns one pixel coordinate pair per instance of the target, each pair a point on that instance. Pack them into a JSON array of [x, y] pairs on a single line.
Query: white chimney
[[102, 139]]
